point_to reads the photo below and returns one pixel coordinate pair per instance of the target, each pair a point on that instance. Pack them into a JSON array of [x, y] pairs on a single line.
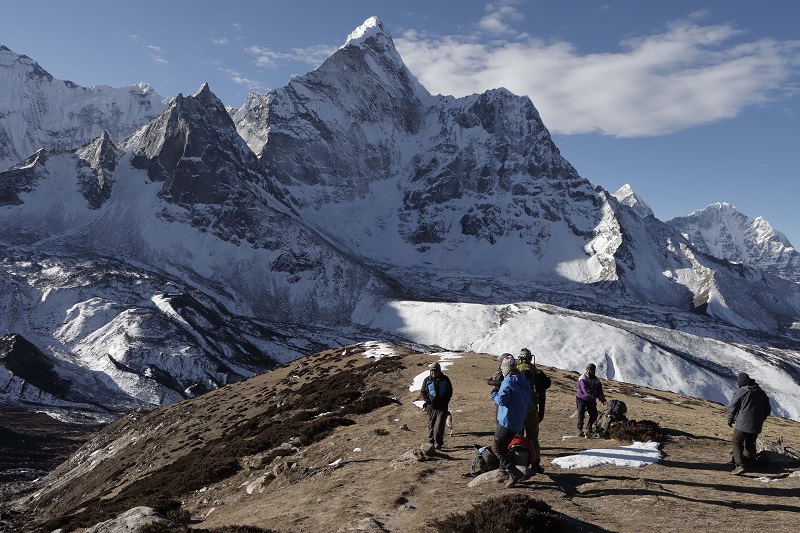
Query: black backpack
[[616, 410], [483, 461], [541, 380]]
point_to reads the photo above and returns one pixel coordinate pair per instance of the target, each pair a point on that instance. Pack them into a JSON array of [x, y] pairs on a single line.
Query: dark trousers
[[744, 448], [502, 438], [583, 407], [532, 430], [542, 401], [437, 418]]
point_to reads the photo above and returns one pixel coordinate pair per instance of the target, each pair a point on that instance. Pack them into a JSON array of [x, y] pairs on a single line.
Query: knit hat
[[591, 366], [508, 364], [435, 366], [742, 379]]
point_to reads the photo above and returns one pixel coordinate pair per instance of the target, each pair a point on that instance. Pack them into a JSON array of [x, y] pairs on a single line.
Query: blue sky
[[690, 102]]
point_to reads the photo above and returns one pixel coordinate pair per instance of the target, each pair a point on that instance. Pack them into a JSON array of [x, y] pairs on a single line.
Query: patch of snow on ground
[[636, 455], [379, 350]]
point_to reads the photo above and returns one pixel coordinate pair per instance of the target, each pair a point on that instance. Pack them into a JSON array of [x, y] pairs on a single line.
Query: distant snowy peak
[[723, 231], [627, 196], [39, 111], [372, 28]]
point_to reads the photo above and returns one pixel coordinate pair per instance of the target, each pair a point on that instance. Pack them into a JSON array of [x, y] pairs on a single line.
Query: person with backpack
[[749, 407], [513, 399], [436, 392], [589, 391], [532, 418], [541, 381]]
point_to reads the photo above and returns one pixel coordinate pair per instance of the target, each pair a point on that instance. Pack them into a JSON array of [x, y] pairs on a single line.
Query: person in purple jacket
[[589, 391]]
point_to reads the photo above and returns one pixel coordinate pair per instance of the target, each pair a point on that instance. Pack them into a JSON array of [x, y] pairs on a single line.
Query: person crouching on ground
[[436, 391], [749, 407], [589, 391], [513, 401]]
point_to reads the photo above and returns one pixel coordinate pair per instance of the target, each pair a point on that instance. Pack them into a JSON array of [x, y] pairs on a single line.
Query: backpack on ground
[[614, 412], [483, 461], [523, 451]]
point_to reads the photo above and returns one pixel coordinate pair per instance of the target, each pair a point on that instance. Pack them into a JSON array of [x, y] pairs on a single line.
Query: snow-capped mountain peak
[[371, 28], [627, 196], [723, 231], [38, 110]]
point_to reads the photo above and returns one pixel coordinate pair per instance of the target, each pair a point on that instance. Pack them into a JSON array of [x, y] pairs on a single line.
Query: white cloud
[[158, 59], [499, 17], [656, 84], [156, 49], [239, 79], [222, 41], [313, 55]]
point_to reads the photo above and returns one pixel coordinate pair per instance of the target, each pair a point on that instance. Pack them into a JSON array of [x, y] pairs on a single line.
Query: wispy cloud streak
[[686, 75]]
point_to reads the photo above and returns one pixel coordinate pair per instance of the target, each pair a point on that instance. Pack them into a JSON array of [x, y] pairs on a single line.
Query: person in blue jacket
[[513, 400], [436, 391]]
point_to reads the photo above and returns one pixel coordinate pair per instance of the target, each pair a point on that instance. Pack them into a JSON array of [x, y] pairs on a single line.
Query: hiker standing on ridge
[[436, 391], [749, 407], [513, 400], [540, 380], [532, 418], [589, 391]]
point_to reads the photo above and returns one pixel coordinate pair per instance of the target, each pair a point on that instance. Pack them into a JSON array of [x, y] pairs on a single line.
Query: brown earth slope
[[278, 451]]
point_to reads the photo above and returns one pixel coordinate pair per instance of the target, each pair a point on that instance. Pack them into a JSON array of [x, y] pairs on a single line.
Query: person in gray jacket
[[749, 407]]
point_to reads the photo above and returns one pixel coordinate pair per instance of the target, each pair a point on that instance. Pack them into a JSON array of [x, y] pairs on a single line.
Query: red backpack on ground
[[523, 450]]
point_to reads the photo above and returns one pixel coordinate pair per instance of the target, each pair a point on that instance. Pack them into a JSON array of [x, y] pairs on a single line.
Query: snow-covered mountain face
[[472, 185], [38, 111], [102, 337], [470, 194], [723, 231], [318, 214]]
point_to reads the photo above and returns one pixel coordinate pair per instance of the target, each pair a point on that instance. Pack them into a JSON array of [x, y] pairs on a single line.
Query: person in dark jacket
[[589, 391], [532, 419], [513, 400], [436, 391], [541, 382], [749, 407]]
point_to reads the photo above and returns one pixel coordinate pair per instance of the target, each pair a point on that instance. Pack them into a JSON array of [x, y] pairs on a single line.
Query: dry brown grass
[[278, 452]]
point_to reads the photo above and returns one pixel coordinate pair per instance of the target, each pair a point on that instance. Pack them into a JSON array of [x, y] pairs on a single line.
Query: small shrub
[[505, 514], [635, 430]]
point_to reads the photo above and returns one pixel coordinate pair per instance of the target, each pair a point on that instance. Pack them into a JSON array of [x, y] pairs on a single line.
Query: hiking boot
[[438, 446], [581, 433], [738, 471], [537, 468], [514, 475]]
